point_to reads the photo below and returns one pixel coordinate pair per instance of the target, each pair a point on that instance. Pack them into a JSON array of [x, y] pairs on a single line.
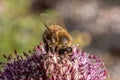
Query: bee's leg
[[44, 40], [56, 49], [47, 48], [51, 49], [46, 45]]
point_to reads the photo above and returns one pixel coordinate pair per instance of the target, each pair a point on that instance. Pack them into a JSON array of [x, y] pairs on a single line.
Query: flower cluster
[[41, 66]]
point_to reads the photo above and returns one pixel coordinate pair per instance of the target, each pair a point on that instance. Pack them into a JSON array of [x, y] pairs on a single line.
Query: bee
[[55, 37]]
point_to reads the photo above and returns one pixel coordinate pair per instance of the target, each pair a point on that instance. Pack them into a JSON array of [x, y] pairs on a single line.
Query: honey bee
[[55, 38]]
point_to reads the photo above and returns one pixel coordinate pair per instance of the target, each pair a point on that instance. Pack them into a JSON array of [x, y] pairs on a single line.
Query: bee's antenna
[[47, 28]]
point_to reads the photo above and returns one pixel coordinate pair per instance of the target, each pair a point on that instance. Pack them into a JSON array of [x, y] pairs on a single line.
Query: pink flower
[[41, 66]]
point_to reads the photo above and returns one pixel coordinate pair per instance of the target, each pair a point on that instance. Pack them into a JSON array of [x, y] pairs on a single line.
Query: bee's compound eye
[[48, 37], [69, 49], [61, 51]]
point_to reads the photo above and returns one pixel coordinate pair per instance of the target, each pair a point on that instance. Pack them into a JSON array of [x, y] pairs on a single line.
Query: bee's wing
[[49, 20]]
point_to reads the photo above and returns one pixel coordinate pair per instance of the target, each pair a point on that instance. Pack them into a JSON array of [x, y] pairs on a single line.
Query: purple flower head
[[41, 66]]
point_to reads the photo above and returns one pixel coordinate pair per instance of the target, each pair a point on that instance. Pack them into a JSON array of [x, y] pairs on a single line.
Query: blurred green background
[[19, 29]]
